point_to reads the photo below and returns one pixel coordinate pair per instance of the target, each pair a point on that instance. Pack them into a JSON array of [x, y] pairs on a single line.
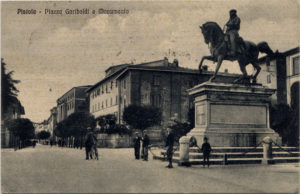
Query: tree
[[77, 123], [44, 134], [22, 129], [8, 90], [285, 121], [142, 117]]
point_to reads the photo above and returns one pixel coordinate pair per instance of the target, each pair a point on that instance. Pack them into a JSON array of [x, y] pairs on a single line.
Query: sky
[[50, 54]]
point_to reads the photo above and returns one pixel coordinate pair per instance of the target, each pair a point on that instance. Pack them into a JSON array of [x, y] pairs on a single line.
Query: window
[[98, 105], [106, 103], [116, 100], [102, 105], [124, 83], [296, 65], [106, 88], [156, 80], [156, 100], [268, 79], [116, 83], [111, 85], [102, 89], [111, 102], [98, 91]]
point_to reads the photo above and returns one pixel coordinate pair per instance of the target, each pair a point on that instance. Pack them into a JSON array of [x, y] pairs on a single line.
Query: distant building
[[158, 83], [15, 111], [52, 121], [281, 72], [72, 101]]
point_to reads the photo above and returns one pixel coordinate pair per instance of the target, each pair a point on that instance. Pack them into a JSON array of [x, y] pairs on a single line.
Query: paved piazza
[[63, 170]]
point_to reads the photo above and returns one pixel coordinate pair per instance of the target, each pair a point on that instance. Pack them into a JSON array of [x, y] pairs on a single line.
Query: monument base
[[232, 115], [234, 138]]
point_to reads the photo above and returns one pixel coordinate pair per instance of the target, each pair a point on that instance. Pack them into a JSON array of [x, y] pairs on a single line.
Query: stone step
[[245, 149], [240, 155], [220, 161]]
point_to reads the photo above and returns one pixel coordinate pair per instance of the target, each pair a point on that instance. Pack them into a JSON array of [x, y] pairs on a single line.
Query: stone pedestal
[[184, 151], [267, 149], [232, 115]]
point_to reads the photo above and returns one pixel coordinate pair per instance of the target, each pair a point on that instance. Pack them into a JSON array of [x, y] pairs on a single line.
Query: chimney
[[175, 63], [226, 71], [166, 61], [204, 68]]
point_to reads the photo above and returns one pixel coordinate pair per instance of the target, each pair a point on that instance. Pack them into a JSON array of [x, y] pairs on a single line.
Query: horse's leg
[[204, 58], [242, 65], [258, 68], [220, 60]]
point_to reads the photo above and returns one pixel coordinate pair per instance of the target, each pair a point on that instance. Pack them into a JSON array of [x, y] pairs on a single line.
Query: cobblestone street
[[62, 170]]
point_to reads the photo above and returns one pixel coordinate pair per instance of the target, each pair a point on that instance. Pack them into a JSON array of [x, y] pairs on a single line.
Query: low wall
[[114, 141]]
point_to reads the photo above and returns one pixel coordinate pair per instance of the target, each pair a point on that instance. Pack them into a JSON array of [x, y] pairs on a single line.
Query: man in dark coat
[[233, 26], [90, 143], [169, 145], [146, 142], [137, 145], [206, 149]]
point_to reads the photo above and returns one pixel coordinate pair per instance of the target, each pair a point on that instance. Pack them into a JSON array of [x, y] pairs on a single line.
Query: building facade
[[52, 121], [72, 101], [158, 83], [281, 72], [15, 111]]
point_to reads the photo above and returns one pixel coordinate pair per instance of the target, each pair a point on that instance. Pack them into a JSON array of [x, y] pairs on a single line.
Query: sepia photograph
[[144, 96]]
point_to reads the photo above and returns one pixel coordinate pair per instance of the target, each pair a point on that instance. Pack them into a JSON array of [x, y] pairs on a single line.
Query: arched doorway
[[294, 120], [295, 95]]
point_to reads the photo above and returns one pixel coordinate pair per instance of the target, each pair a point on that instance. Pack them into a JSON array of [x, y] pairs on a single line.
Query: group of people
[[137, 146], [205, 148]]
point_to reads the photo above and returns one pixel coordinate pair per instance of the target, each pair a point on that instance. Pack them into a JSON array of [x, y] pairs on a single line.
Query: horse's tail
[[264, 48]]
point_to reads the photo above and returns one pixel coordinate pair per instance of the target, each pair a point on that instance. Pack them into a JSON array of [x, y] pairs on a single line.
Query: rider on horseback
[[232, 28]]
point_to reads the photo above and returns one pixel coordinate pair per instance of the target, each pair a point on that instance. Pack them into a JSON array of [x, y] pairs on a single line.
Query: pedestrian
[[89, 142], [91, 145], [94, 147], [206, 149], [169, 145], [137, 145], [146, 142]]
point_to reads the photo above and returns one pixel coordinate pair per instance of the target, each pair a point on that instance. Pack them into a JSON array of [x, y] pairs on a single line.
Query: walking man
[[206, 149], [90, 144], [137, 145], [169, 145], [146, 142]]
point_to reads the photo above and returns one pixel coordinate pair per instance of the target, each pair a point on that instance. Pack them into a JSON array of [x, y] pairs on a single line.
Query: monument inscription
[[238, 114]]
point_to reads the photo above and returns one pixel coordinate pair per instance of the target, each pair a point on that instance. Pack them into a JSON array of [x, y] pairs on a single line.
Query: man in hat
[[169, 145], [146, 142], [137, 145], [90, 144], [232, 28], [206, 149]]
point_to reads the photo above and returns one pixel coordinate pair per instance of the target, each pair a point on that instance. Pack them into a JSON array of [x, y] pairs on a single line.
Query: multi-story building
[[52, 120], [158, 83], [72, 101], [15, 111], [281, 72]]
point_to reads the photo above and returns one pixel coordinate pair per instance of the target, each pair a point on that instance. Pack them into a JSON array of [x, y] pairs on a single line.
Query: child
[[206, 149]]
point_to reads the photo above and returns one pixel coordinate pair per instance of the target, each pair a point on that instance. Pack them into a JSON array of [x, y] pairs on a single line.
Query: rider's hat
[[232, 11]]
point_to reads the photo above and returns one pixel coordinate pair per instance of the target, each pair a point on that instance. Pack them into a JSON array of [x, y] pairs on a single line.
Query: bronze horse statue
[[216, 39]]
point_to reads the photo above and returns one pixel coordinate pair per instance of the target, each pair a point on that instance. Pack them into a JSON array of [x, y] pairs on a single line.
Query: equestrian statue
[[230, 46]]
